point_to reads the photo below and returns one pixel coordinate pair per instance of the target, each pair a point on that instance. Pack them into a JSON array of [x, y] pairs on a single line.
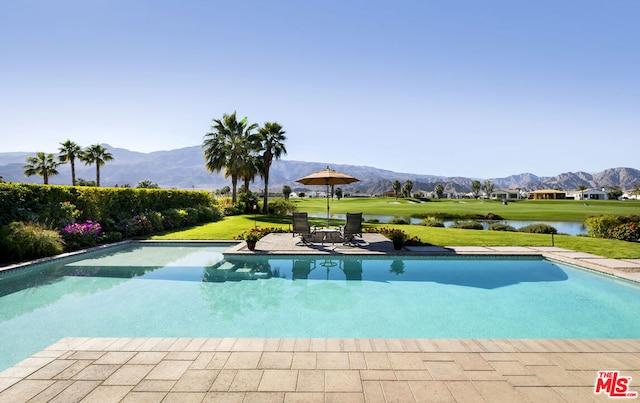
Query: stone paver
[[412, 370]]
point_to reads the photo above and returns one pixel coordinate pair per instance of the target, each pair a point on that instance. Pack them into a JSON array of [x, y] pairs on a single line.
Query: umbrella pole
[[327, 204]]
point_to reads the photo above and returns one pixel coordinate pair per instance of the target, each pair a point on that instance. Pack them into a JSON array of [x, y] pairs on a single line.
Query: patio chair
[[352, 228], [302, 228], [302, 268]]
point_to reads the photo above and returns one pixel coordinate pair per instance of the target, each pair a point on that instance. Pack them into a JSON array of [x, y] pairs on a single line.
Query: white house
[[591, 194], [506, 194]]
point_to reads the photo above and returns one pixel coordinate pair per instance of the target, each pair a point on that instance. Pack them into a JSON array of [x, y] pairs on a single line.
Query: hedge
[[32, 202]]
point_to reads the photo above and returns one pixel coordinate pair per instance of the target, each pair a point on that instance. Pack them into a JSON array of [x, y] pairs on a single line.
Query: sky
[[467, 88]]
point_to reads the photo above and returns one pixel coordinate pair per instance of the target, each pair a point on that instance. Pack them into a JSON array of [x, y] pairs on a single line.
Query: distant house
[[547, 194], [588, 194], [506, 194], [594, 194]]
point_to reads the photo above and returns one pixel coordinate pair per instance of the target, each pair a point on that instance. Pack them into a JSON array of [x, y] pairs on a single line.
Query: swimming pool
[[190, 290]]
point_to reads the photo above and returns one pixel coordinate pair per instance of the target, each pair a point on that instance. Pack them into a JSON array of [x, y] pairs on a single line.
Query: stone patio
[[332, 370], [318, 370]]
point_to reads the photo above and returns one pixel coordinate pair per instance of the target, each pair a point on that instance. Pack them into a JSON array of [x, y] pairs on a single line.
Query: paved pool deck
[[332, 370]]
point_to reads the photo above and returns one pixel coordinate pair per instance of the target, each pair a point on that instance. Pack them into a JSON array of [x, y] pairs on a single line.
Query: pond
[[563, 227]]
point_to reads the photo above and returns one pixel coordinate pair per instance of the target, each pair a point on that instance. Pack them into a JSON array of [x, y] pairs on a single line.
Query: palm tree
[[407, 188], [286, 191], [227, 147], [439, 189], [249, 169], [487, 187], [96, 154], [475, 188], [270, 141], [68, 153], [397, 186], [582, 188], [42, 165]]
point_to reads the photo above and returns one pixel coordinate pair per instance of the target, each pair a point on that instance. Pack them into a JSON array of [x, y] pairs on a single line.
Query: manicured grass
[[534, 210]]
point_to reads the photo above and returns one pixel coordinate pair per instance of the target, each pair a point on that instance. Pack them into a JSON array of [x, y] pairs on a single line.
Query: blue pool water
[[190, 290]]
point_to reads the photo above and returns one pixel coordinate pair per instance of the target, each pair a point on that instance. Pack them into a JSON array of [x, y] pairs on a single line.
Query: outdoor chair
[[302, 228], [352, 228], [302, 268]]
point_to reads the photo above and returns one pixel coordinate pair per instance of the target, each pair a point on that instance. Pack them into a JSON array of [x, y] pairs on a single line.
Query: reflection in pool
[[159, 290]]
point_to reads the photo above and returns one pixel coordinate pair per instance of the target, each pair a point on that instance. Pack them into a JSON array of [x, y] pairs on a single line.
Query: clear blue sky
[[447, 87]]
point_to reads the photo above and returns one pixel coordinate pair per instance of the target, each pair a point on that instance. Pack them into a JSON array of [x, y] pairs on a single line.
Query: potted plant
[[252, 238], [398, 237]]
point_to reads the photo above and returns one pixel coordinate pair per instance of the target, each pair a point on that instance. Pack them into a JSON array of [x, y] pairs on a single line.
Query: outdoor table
[[329, 234]]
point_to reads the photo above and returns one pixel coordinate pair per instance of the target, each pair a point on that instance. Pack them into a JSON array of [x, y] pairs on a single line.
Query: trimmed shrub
[[539, 228], [138, 225], [498, 226], [20, 241], [432, 222], [111, 237], [467, 224], [155, 219], [454, 216], [626, 232], [24, 202], [625, 228], [391, 232], [399, 220], [602, 226], [191, 217], [175, 218], [281, 207], [209, 214]]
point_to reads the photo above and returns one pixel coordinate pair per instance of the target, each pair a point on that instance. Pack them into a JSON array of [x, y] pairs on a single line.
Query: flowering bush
[[398, 234], [139, 225], [626, 232], [625, 228], [260, 232], [79, 235]]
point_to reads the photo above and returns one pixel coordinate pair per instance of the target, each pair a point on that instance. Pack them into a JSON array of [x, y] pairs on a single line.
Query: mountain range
[[184, 168]]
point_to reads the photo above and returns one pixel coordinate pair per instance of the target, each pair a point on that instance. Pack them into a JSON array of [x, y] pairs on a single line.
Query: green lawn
[[564, 210], [541, 210]]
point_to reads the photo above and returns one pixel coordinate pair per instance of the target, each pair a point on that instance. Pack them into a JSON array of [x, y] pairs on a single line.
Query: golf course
[[529, 210]]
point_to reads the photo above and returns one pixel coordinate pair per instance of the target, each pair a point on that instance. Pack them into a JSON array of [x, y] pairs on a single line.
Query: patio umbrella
[[327, 177]]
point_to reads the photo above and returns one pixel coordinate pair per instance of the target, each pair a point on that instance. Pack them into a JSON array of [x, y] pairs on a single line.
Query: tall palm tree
[[227, 147], [250, 169], [42, 165], [397, 186], [270, 141], [68, 153], [96, 154]]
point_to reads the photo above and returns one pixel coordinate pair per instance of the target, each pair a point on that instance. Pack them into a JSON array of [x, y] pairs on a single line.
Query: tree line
[[46, 164], [405, 189]]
